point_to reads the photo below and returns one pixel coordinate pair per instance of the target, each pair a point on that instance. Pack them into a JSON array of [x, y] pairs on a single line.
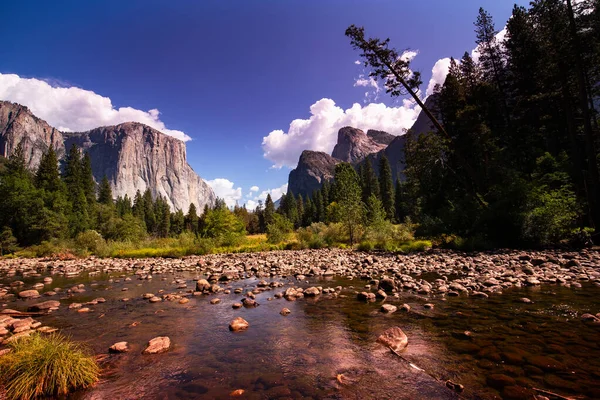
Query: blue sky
[[227, 73]]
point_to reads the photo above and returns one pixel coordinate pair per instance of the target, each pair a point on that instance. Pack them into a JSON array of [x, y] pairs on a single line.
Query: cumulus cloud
[[357, 62], [319, 131], [500, 36], [254, 189], [75, 109], [438, 74], [275, 195], [225, 189]]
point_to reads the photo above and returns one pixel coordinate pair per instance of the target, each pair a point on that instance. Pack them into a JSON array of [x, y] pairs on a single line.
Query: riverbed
[[514, 330]]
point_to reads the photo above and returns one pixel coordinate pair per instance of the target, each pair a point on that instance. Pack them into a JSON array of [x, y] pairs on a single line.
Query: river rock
[[120, 347], [202, 285], [312, 291], [388, 308], [46, 305], [29, 294], [366, 296], [498, 381], [285, 311], [159, 344], [238, 324], [394, 338]]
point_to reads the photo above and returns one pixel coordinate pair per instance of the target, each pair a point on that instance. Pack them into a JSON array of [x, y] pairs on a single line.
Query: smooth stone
[[44, 305], [28, 294], [394, 338], [158, 345], [388, 308], [238, 324], [285, 311], [120, 347]]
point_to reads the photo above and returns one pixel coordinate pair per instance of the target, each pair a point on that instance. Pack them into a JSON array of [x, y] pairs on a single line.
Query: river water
[[326, 347]]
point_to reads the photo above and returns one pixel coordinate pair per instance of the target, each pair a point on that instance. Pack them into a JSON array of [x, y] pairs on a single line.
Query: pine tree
[[386, 186], [87, 179], [138, 206], [269, 211], [370, 183], [300, 211], [469, 72], [105, 192], [348, 198], [47, 176], [178, 223], [163, 217], [319, 206], [191, 219], [326, 194], [202, 219], [309, 212], [73, 173], [149, 213], [400, 206]]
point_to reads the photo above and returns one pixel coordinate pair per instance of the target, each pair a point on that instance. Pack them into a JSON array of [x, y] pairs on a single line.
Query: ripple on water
[[326, 347]]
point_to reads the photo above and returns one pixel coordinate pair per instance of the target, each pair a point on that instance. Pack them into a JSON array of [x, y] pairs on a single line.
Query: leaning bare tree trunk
[[439, 127]]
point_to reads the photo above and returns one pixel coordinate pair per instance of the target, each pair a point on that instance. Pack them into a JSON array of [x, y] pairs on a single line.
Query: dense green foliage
[[41, 366], [516, 162]]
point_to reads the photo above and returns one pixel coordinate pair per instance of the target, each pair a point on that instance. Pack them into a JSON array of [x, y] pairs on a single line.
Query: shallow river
[[326, 348]]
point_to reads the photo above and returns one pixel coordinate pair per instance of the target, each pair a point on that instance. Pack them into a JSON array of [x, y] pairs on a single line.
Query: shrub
[[416, 246], [279, 229], [46, 366], [89, 241], [366, 246]]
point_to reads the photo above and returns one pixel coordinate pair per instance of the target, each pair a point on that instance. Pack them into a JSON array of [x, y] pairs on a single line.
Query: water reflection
[[326, 347]]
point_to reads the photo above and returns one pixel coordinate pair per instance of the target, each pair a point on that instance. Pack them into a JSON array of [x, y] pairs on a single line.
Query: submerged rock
[[394, 338]]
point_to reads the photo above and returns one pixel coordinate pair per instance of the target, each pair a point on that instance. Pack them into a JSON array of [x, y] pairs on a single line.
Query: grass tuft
[[46, 366]]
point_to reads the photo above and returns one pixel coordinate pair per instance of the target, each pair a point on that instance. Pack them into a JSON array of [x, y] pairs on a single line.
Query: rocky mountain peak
[[314, 167], [353, 145], [133, 156]]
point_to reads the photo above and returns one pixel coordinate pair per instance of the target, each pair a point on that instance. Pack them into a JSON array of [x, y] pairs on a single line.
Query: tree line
[[516, 161]]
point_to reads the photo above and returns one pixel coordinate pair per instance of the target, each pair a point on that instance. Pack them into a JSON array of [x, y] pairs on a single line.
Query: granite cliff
[[354, 146], [133, 156]]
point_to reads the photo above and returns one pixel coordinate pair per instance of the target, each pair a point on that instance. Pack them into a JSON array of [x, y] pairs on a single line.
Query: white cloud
[[254, 189], [408, 55], [275, 195], [224, 189], [357, 62], [438, 74], [500, 36], [319, 131], [75, 109]]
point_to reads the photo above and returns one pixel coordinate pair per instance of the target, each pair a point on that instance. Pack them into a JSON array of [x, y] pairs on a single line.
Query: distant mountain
[[354, 146], [133, 156], [314, 167]]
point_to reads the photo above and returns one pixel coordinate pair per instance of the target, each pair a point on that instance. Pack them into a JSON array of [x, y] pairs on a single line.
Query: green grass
[[46, 366]]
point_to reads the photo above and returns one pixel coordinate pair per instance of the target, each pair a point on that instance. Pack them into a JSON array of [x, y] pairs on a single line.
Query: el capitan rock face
[[314, 167], [133, 156], [19, 125], [353, 145]]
